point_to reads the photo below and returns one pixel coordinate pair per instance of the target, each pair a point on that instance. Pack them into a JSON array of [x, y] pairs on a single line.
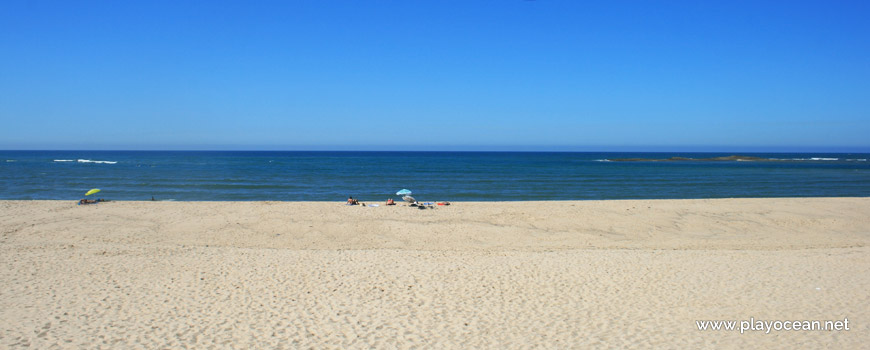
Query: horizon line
[[777, 150]]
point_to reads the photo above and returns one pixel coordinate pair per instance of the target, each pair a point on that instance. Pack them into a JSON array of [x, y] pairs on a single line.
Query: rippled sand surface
[[592, 274]]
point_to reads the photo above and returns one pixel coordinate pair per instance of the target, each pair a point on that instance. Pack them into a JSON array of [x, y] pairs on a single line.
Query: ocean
[[432, 176]]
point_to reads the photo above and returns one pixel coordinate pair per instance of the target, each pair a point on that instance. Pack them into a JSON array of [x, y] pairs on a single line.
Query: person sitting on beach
[[351, 201], [390, 202]]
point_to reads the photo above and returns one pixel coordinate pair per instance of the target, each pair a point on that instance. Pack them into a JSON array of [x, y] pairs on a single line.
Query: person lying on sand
[[89, 201], [390, 202]]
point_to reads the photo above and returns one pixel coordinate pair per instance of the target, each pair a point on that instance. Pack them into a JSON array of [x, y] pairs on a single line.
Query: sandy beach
[[497, 275]]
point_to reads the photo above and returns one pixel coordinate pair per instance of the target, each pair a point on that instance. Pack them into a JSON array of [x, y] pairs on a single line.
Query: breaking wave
[[95, 161], [87, 161]]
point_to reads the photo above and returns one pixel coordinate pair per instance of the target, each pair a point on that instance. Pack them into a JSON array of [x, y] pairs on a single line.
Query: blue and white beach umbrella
[[403, 192]]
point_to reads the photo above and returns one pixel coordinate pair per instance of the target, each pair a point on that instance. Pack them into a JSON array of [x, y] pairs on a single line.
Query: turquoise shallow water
[[457, 176]]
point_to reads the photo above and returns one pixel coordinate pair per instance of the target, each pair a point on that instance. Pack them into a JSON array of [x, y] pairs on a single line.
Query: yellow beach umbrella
[[92, 191]]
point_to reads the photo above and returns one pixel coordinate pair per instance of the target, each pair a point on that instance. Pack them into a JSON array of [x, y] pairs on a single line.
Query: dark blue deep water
[[455, 176]]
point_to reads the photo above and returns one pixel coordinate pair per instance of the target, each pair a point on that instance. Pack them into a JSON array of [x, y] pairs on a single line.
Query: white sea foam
[[95, 161], [857, 160], [64, 160], [815, 158], [10, 160], [602, 160]]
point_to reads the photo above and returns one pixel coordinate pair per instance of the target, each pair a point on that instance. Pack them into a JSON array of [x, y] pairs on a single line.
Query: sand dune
[[586, 274]]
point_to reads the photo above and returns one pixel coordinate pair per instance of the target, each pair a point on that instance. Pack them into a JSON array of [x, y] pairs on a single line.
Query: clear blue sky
[[546, 74]]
